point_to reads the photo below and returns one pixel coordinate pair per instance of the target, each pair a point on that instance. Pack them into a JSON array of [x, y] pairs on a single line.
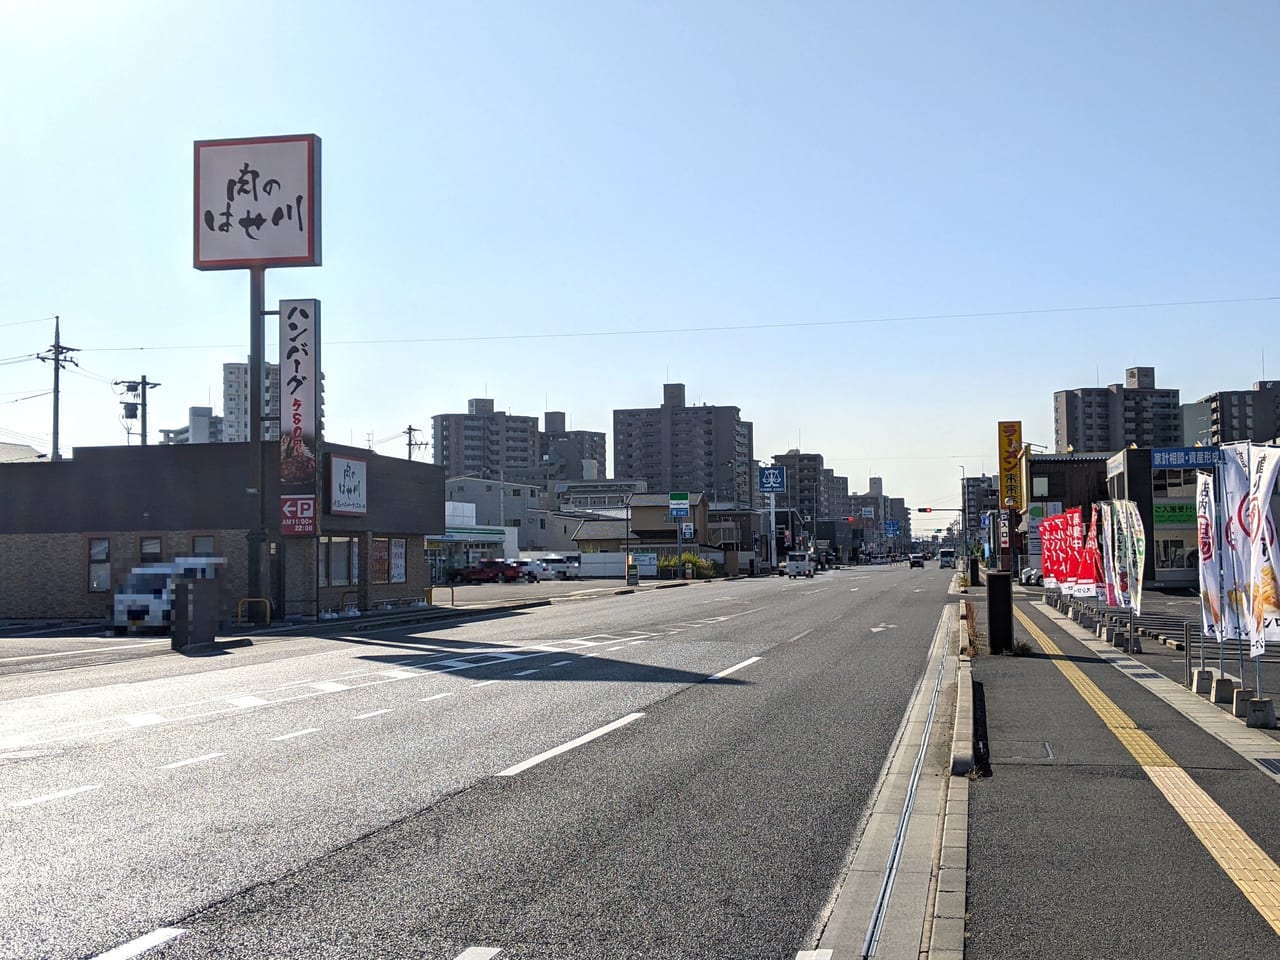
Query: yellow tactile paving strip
[[1246, 863]]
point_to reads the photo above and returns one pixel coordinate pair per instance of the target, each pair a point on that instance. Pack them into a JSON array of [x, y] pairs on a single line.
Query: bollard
[[1000, 612], [1262, 714], [1240, 703], [1186, 655], [1223, 689]]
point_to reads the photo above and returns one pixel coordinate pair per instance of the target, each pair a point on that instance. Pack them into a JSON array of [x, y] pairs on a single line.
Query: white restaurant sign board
[[349, 493], [257, 202]]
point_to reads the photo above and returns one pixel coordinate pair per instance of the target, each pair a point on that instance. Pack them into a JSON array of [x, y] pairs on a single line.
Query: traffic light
[[924, 509]]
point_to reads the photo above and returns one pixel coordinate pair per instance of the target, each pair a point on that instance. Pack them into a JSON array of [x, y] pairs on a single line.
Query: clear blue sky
[[560, 171]]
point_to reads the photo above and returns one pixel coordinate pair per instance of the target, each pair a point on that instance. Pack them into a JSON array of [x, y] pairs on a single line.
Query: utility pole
[[409, 432], [136, 388], [58, 354]]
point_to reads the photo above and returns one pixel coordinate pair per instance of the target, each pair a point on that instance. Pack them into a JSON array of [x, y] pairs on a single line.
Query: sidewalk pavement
[[1115, 814]]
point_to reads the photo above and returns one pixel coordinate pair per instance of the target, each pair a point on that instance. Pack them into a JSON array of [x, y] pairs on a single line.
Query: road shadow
[[578, 668], [981, 746]]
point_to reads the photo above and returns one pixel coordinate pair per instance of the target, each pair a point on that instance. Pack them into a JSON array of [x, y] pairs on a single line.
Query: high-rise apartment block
[[1240, 415], [235, 402], [569, 454], [703, 449], [485, 443], [1101, 419]]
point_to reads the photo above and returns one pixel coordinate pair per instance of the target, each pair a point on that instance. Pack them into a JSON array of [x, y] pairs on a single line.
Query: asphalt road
[[675, 773]]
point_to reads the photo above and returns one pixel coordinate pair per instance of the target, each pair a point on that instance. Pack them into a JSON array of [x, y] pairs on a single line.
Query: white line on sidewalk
[[297, 733], [371, 713], [478, 953], [135, 947], [54, 796], [435, 696], [188, 762], [564, 747], [734, 669]]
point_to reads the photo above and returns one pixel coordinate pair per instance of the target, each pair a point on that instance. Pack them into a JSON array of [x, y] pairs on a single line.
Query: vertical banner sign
[[1093, 559], [1234, 479], [1010, 452], [1210, 558], [1048, 552], [257, 202], [299, 416], [1135, 551], [1255, 523], [1107, 540]]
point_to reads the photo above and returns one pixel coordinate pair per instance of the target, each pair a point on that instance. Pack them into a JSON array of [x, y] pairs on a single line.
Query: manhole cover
[[1022, 750]]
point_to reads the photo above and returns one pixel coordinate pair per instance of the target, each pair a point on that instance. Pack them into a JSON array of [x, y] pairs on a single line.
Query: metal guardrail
[[248, 600]]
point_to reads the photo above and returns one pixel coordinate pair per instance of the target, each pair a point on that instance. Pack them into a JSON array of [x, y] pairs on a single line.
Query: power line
[[730, 328], [31, 397]]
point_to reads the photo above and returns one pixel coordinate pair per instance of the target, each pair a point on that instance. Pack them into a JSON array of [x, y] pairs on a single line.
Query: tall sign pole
[[773, 480], [257, 205]]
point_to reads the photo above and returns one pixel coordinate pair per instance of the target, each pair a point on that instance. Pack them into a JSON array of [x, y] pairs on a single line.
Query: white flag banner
[[1210, 558], [1107, 538], [1233, 474], [1255, 523], [1137, 552]]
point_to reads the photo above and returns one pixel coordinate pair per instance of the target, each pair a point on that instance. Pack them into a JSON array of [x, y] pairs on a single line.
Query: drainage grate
[[1269, 764]]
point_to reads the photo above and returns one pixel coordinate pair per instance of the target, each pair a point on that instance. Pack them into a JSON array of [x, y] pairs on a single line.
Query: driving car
[[916, 560]]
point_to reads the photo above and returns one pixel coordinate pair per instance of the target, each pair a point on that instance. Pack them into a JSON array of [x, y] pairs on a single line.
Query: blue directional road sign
[[891, 528], [773, 479]]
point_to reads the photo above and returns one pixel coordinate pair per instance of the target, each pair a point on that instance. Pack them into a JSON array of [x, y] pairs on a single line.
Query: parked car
[[490, 571], [145, 602], [916, 560]]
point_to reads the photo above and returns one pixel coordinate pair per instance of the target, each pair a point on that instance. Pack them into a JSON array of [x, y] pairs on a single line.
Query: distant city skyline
[[876, 233]]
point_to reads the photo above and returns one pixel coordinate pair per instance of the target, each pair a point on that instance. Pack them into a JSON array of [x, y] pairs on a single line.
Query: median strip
[[565, 747]]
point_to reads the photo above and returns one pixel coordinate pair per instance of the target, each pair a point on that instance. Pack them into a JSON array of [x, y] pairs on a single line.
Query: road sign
[[298, 515], [891, 528], [773, 479], [1004, 529], [686, 531], [679, 504]]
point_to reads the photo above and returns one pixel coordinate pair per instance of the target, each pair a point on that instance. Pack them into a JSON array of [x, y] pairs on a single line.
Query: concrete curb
[[962, 762], [946, 939]]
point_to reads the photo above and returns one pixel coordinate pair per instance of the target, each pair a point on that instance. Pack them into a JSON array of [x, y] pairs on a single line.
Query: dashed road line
[[247, 701], [297, 733], [484, 683], [141, 945], [55, 796], [734, 669], [371, 713], [328, 686], [526, 673], [801, 635], [478, 953], [435, 696], [815, 955], [399, 674], [565, 747], [561, 663], [144, 719], [191, 760]]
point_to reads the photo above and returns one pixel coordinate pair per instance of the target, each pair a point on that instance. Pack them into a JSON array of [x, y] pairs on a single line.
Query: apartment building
[[1245, 415], [565, 454], [235, 402], [1099, 419], [704, 449], [486, 443], [201, 427]]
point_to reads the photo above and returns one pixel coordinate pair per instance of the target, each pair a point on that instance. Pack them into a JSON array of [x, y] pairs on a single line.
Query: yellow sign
[[1010, 447]]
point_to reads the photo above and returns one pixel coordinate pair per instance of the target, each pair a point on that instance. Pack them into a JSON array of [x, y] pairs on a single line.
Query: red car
[[490, 571]]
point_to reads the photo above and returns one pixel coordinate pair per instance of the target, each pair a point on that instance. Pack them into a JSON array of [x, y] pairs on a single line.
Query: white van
[[946, 558], [799, 565], [146, 600]]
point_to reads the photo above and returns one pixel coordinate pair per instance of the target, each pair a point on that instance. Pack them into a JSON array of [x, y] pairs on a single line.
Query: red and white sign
[[257, 202], [298, 516]]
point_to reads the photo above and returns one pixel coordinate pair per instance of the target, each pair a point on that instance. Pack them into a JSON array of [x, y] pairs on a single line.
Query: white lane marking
[[297, 733], [328, 686], [72, 653], [399, 674], [435, 696], [144, 943], [634, 642], [854, 589], [188, 762], [561, 663], [801, 636], [556, 751], [484, 683], [884, 626], [247, 701], [918, 590], [734, 669], [478, 953], [525, 673], [371, 713], [54, 796], [807, 592], [815, 955], [611, 649], [144, 719]]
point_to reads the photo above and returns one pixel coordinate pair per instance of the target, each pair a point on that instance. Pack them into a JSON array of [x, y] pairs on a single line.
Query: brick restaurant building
[[71, 530]]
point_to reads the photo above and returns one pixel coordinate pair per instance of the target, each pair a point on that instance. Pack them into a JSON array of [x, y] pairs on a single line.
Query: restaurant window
[[149, 550], [380, 561], [202, 546], [339, 564], [99, 564]]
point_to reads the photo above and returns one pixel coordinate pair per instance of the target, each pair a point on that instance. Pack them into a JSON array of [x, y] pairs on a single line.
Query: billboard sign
[[348, 487], [773, 479], [1010, 454], [257, 202], [1172, 458], [868, 513], [298, 515], [679, 504], [299, 405]]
